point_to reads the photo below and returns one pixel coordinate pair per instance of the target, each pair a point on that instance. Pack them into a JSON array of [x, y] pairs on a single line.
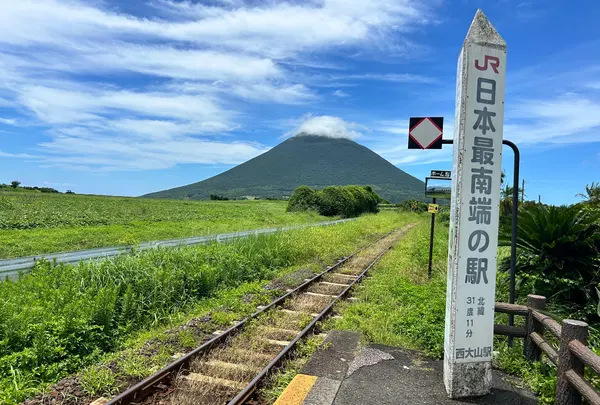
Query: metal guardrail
[[12, 267]]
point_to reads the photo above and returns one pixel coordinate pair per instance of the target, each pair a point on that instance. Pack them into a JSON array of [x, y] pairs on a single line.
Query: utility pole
[[523, 191]]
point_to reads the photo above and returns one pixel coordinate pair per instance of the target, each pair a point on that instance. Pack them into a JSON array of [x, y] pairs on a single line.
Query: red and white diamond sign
[[425, 132]]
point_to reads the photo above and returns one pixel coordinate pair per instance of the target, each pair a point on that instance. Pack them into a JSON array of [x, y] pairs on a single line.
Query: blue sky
[[129, 97]]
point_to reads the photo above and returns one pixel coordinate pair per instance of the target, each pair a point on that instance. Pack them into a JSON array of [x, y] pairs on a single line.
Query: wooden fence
[[570, 357]]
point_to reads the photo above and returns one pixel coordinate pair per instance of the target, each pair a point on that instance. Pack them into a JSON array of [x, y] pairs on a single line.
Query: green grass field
[[33, 223], [59, 319]]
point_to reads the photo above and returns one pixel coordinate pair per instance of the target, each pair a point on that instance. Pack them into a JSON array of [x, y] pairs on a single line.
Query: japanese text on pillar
[[480, 200]]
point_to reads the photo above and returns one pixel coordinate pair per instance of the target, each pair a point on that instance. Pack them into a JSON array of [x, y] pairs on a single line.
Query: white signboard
[[477, 160]]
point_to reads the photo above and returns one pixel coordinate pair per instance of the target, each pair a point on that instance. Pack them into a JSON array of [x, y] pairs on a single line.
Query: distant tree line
[[16, 185], [345, 201]]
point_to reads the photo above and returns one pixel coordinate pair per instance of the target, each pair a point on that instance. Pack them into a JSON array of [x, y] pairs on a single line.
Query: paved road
[[11, 267]]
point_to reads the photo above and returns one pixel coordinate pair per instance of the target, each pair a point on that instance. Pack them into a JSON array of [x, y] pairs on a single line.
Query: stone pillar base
[[467, 379]]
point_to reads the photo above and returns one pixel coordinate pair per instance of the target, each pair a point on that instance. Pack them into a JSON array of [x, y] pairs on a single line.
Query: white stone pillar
[[476, 170]]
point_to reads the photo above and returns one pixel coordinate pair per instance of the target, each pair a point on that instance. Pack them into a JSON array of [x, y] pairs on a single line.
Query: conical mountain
[[311, 160]]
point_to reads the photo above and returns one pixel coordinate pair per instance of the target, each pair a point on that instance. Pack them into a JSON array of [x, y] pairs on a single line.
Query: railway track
[[229, 367]]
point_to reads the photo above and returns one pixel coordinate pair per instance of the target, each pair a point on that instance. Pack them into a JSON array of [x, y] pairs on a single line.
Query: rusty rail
[[142, 389], [247, 391], [570, 358]]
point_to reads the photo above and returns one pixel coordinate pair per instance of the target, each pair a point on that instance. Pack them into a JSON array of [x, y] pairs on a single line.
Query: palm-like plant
[[592, 194], [559, 250]]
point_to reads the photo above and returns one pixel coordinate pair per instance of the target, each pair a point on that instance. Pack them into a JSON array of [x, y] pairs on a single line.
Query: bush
[[41, 189], [345, 201], [216, 197], [413, 206], [303, 199], [444, 214], [558, 255]]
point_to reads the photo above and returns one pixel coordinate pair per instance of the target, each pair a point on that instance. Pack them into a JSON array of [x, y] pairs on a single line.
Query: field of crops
[[57, 319], [32, 223]]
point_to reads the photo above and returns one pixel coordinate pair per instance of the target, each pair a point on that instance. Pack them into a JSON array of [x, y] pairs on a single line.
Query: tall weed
[[58, 318]]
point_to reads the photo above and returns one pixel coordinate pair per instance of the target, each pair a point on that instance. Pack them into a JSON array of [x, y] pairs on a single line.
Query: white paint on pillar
[[472, 253]]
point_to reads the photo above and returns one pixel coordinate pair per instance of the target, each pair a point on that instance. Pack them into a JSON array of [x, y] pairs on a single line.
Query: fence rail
[[10, 268], [570, 357]]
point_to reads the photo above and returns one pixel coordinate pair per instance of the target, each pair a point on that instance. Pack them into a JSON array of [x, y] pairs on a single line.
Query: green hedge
[[345, 201]]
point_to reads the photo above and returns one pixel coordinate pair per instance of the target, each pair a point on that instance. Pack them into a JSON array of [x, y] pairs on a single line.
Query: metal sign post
[[474, 215], [435, 188], [431, 240]]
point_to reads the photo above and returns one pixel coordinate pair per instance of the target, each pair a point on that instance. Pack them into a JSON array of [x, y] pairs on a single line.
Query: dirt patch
[[66, 392]]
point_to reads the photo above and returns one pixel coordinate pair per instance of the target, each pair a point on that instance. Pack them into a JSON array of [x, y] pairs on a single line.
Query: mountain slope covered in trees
[[314, 161]]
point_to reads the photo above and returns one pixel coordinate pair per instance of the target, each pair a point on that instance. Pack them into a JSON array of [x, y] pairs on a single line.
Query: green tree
[[346, 201], [15, 183], [303, 199], [507, 192], [592, 194]]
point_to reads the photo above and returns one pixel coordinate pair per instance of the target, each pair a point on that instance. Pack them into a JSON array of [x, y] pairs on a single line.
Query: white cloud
[[104, 152], [5, 102], [278, 29], [325, 125], [8, 121], [260, 92], [118, 91], [569, 118], [391, 77], [565, 119], [594, 85], [55, 184], [159, 129], [307, 25], [408, 157], [178, 63], [268, 93], [18, 155], [340, 93], [398, 127], [57, 105]]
